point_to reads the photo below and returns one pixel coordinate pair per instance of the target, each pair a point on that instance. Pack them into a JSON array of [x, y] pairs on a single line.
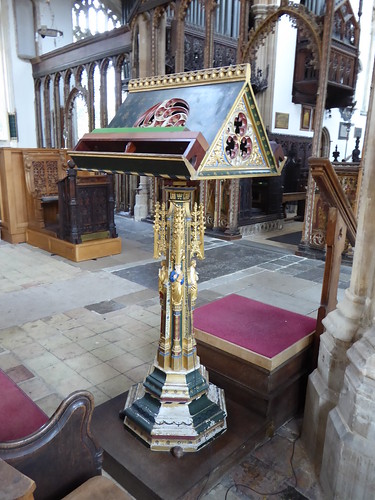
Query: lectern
[[184, 128]]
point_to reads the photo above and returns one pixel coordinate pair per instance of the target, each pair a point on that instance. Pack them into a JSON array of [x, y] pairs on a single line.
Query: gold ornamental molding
[[201, 77]]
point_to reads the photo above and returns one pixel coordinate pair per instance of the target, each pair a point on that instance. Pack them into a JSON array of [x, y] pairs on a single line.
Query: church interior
[[186, 233]]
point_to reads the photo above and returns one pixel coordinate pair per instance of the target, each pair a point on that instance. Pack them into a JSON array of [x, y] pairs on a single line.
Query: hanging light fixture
[[43, 31]]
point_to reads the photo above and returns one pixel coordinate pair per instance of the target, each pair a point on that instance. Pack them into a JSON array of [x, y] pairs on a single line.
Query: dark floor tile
[[105, 307], [218, 262], [314, 274], [291, 493], [137, 297], [19, 374]]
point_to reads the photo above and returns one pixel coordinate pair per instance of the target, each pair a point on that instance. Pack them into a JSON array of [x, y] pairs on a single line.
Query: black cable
[[276, 492]]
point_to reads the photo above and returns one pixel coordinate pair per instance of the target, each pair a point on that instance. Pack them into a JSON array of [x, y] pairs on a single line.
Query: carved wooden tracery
[[300, 18]]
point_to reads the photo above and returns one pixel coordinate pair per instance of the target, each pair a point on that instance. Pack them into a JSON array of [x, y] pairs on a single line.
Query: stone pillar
[[158, 41], [348, 465], [141, 200], [210, 7], [345, 324], [181, 9], [144, 47], [234, 196]]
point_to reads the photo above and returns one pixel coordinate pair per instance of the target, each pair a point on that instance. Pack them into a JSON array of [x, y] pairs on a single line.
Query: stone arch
[[69, 108], [301, 19], [47, 111], [78, 71], [38, 110], [325, 144], [59, 125]]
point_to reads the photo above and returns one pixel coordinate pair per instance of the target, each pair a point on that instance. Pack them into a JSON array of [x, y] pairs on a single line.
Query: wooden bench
[[61, 455]]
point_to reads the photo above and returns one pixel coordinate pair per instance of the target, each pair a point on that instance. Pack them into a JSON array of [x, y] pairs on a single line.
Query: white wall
[[282, 100], [18, 80], [58, 15], [17, 76]]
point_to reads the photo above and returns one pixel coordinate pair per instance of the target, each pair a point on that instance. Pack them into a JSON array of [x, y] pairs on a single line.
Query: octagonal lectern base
[[175, 419]]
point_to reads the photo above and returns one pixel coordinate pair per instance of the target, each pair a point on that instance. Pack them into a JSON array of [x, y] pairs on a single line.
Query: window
[[91, 17]]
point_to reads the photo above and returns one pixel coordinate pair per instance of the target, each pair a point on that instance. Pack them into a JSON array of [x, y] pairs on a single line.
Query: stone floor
[[95, 325]]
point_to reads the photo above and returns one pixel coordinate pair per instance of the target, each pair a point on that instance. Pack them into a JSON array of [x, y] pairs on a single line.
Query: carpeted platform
[[259, 354], [262, 334], [19, 415]]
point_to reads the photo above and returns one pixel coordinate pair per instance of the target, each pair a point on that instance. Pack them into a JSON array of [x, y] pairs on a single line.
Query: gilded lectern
[[184, 128]]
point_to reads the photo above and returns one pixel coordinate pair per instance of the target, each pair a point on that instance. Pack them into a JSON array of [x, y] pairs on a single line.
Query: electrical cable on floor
[[265, 494]]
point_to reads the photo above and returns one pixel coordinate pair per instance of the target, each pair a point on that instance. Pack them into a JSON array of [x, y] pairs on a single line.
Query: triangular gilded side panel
[[241, 147]]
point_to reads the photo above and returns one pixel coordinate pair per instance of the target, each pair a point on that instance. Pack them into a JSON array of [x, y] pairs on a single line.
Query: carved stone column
[[232, 227], [348, 464], [218, 200], [265, 57], [141, 200], [210, 7], [345, 324], [144, 45], [158, 41], [181, 8], [243, 28]]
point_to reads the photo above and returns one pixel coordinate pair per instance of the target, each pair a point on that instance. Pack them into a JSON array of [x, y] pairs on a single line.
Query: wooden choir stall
[[56, 208]]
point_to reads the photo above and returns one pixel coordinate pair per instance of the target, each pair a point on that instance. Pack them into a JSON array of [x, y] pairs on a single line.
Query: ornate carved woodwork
[[43, 169], [302, 19], [225, 53], [297, 149], [338, 187], [68, 63], [343, 62], [224, 50], [86, 207], [194, 51]]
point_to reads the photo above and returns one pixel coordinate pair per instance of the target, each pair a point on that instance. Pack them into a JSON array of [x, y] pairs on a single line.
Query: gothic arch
[[47, 111], [325, 143], [58, 138], [302, 19], [78, 71], [69, 107], [38, 109]]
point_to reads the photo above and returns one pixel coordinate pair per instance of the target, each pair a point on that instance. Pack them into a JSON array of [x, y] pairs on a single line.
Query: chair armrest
[[14, 484], [62, 454]]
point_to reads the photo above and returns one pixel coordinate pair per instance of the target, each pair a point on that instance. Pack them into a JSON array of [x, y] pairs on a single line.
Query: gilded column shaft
[[178, 234]]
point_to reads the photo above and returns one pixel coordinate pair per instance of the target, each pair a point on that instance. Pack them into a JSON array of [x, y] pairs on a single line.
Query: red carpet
[[258, 327], [19, 415]]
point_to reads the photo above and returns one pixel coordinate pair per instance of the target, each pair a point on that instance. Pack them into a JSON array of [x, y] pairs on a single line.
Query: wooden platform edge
[[88, 250], [134, 466], [251, 356]]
